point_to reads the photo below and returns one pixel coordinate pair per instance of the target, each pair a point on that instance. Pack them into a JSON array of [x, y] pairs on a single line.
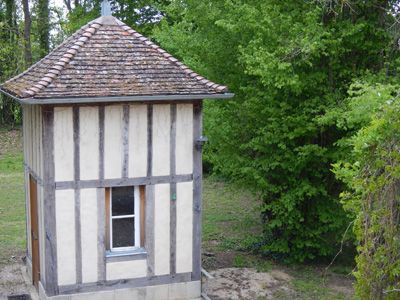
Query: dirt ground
[[13, 280], [246, 283]]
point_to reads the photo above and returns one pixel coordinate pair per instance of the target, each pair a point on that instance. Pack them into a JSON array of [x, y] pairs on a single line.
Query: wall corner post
[[50, 247]]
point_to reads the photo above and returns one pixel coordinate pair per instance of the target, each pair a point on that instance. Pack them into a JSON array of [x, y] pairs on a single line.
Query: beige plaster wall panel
[[138, 141], [184, 139], [113, 127], [184, 227], [161, 229], [126, 269], [89, 235], [65, 232], [161, 139], [89, 142], [63, 144]]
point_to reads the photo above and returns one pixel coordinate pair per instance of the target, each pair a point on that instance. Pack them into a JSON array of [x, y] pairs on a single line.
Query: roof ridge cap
[[85, 33], [186, 69]]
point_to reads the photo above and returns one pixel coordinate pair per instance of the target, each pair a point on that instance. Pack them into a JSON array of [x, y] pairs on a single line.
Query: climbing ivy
[[372, 174]]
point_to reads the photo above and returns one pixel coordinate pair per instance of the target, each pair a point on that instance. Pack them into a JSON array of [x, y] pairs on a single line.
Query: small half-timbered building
[[112, 128]]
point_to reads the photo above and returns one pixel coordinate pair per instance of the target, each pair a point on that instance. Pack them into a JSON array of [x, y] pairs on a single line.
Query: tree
[[43, 26], [27, 33], [9, 58], [288, 62]]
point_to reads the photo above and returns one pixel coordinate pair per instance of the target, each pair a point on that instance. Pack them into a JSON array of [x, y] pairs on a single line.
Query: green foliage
[[11, 56], [141, 15], [372, 174], [12, 198], [43, 27], [288, 62]]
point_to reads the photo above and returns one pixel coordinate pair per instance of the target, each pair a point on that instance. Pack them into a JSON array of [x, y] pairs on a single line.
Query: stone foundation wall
[[174, 291]]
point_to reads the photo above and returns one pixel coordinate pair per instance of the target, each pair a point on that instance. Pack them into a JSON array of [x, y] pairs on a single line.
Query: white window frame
[[135, 216]]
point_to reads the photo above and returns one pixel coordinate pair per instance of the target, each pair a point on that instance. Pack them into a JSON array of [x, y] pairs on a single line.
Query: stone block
[[178, 291], [129, 294], [157, 292], [100, 295], [193, 289]]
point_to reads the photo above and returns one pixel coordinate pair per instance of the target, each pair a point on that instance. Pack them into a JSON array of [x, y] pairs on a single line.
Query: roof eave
[[21, 101], [74, 100]]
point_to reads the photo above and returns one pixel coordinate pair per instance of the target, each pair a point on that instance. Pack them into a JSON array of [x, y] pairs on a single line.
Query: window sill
[[114, 256]]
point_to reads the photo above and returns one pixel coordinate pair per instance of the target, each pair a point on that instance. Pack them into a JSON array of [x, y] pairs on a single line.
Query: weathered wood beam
[[51, 276], [101, 235], [149, 241], [173, 199], [125, 141], [125, 283], [30, 171], [149, 139], [101, 142], [197, 190], [87, 184], [77, 195]]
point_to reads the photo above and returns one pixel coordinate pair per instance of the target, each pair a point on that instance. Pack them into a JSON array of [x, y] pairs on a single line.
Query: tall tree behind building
[[27, 33], [43, 25]]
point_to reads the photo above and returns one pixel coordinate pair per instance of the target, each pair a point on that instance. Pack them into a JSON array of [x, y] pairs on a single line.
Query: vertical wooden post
[[172, 224], [101, 235], [197, 190], [149, 139], [77, 196], [51, 280], [125, 141], [101, 142], [149, 242]]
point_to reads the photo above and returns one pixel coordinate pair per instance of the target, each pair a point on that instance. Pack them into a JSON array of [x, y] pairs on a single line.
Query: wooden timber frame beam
[[51, 277]]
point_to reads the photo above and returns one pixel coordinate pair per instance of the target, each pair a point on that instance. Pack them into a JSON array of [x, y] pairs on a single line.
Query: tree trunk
[[27, 33], [10, 12], [68, 5], [43, 26]]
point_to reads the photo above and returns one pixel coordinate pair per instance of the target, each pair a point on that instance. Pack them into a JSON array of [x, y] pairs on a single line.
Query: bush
[[372, 174]]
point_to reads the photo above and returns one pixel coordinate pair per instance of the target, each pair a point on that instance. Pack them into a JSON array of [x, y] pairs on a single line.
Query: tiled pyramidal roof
[[107, 58]]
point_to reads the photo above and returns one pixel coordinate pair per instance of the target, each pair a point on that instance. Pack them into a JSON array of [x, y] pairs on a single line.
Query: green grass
[[231, 216], [251, 261], [12, 207], [310, 284]]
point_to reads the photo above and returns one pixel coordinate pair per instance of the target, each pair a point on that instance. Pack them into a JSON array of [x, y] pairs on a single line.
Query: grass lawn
[[12, 202], [230, 222]]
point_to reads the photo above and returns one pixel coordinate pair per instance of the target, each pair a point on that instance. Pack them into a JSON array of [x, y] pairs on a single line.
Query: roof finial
[[105, 8]]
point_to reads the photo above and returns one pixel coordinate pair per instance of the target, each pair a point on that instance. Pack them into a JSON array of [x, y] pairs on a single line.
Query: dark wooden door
[[34, 231]]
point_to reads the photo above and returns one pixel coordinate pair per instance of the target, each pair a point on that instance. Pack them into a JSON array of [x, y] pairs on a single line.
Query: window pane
[[123, 232], [123, 201]]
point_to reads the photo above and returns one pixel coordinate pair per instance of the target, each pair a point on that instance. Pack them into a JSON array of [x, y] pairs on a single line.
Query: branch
[[341, 247]]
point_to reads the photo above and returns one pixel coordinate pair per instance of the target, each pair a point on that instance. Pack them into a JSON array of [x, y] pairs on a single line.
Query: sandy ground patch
[[246, 283], [12, 281]]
